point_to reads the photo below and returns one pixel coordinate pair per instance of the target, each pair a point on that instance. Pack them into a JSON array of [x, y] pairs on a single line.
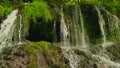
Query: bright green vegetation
[[2, 10], [111, 5], [39, 8], [44, 52], [35, 10], [38, 12]]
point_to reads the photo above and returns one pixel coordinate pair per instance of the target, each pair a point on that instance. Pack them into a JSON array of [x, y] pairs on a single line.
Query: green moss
[[47, 53], [32, 61]]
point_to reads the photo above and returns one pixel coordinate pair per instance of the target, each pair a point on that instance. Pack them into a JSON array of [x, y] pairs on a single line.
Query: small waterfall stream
[[75, 31], [104, 58], [102, 25], [108, 63], [73, 36], [80, 41], [54, 29], [76, 28], [113, 23], [20, 30], [7, 29], [82, 30], [64, 30], [72, 57], [78, 36]]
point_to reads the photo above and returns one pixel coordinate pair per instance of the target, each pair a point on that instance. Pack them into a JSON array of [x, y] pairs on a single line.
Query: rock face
[[114, 52], [13, 58], [83, 31], [46, 55]]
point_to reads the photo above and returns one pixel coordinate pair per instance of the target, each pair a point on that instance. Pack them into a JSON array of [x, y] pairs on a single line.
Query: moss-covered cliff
[[43, 44]]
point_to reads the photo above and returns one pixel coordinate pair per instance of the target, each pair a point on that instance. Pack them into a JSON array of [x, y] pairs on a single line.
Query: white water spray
[[20, 30], [7, 29], [108, 63], [64, 30], [102, 24], [83, 30]]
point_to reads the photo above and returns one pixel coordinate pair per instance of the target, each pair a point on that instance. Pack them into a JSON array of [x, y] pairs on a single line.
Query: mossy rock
[[49, 55], [96, 49], [114, 52], [82, 53]]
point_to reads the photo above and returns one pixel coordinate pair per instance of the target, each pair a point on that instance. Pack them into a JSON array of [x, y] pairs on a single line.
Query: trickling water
[[83, 30], [54, 29], [75, 27], [73, 58], [113, 23], [64, 30], [102, 24], [112, 19], [73, 32], [7, 29], [108, 63], [20, 30], [78, 35]]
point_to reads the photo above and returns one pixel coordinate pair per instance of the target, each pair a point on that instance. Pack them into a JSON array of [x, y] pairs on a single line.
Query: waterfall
[[64, 30], [54, 29], [113, 24], [108, 63], [72, 57], [83, 30], [20, 30], [76, 28], [112, 29], [79, 30], [73, 31], [78, 36], [7, 29], [102, 24]]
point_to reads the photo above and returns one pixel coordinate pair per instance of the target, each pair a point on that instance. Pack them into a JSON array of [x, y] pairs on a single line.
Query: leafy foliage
[[36, 10], [2, 10]]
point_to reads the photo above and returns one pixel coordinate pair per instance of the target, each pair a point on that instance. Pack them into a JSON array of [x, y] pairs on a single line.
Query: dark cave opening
[[44, 31]]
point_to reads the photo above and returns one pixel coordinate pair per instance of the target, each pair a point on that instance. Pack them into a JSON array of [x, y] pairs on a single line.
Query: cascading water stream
[[72, 57], [78, 25], [79, 36], [102, 24], [64, 30], [54, 31], [83, 30], [113, 23], [7, 29], [104, 58], [108, 63], [114, 19], [76, 28], [20, 30]]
